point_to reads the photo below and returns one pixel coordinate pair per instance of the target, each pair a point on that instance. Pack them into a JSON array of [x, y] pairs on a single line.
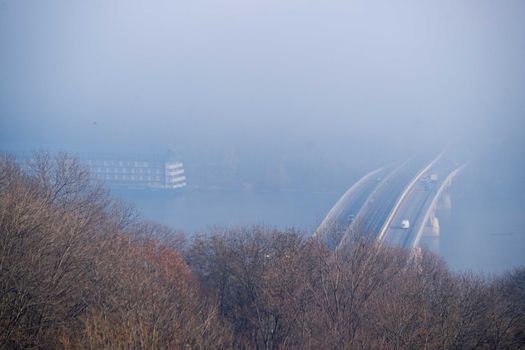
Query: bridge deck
[[377, 204]]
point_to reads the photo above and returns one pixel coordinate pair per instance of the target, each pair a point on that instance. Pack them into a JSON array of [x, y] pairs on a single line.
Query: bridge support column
[[446, 201], [430, 237], [432, 226], [434, 221]]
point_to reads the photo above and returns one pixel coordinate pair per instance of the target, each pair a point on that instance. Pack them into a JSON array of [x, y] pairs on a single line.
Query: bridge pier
[[432, 226], [434, 222], [430, 236], [446, 201]]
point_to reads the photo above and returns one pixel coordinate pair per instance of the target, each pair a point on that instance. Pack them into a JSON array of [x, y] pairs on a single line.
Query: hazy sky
[[265, 76]]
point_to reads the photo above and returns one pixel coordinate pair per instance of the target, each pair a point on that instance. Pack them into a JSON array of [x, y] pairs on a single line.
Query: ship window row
[[174, 165], [176, 179], [123, 163], [127, 170], [174, 172], [131, 178]]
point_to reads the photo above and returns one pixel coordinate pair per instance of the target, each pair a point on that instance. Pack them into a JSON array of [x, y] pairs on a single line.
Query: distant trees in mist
[[79, 270]]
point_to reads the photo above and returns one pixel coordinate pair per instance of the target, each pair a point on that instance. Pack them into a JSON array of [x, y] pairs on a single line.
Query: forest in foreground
[[80, 270]]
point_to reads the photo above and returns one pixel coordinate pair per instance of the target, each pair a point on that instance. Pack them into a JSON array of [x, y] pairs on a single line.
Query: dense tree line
[[79, 270]]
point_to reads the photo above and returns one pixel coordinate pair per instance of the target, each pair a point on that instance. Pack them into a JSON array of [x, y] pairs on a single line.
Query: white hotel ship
[[137, 172]]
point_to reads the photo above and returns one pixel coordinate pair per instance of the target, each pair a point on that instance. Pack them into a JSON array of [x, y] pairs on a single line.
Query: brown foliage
[[76, 271], [278, 291]]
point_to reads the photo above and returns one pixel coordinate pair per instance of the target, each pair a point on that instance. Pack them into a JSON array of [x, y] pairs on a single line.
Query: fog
[[315, 92]]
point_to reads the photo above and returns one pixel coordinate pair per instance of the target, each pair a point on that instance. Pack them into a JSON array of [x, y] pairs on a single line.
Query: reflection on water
[[197, 210]]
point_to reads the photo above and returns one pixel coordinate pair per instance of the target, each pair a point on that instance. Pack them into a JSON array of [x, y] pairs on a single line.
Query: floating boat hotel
[[154, 172]]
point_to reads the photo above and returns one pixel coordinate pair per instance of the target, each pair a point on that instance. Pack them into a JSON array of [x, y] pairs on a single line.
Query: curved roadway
[[378, 202]]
